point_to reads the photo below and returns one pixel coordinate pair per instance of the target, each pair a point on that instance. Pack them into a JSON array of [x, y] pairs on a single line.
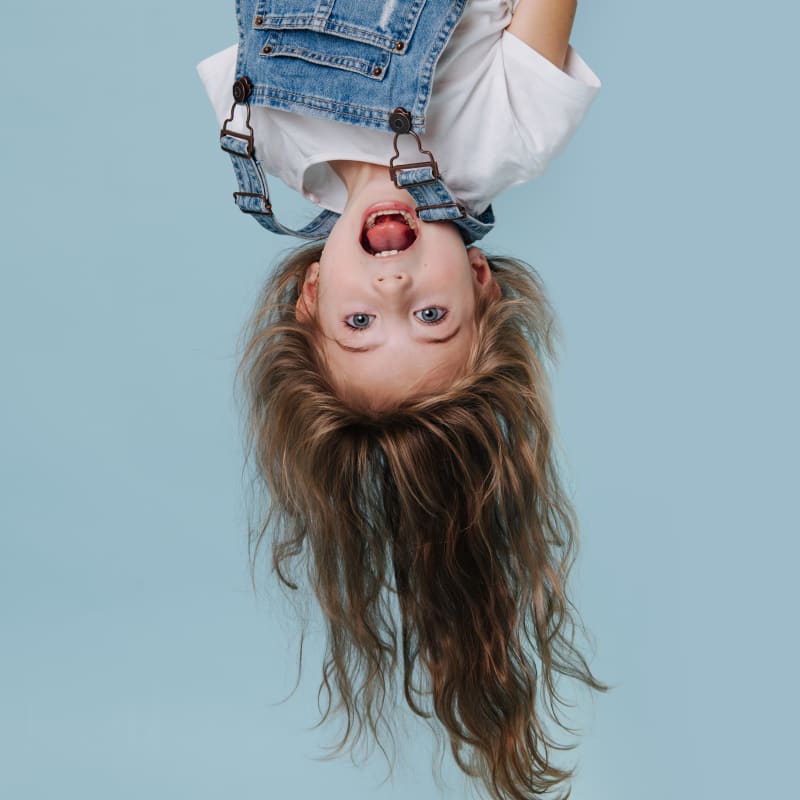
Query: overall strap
[[436, 204], [253, 195], [422, 180]]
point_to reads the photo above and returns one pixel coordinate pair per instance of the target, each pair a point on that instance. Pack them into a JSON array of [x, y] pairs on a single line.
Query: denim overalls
[[362, 62]]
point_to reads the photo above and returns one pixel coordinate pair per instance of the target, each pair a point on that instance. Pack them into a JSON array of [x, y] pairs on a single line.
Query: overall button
[[242, 88], [400, 120]]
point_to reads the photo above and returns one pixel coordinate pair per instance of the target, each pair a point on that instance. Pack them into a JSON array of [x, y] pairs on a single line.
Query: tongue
[[390, 233]]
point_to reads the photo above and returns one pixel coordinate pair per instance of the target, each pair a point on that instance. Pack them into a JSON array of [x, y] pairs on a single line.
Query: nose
[[393, 282]]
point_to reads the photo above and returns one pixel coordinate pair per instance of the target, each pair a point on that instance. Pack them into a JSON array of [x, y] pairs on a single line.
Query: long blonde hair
[[448, 508]]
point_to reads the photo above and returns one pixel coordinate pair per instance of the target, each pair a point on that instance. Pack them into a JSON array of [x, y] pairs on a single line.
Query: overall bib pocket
[[388, 26], [352, 35], [354, 61]]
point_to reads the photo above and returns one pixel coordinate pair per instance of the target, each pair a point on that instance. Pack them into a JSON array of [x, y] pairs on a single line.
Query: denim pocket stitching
[[376, 117], [400, 28], [357, 65]]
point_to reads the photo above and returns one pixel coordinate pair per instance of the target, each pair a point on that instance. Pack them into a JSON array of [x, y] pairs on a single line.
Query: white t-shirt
[[499, 111]]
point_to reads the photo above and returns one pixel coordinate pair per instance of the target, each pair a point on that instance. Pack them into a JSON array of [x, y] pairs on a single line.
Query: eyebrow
[[425, 341]]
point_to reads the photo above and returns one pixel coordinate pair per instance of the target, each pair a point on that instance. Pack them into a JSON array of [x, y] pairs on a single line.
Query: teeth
[[386, 253], [372, 218]]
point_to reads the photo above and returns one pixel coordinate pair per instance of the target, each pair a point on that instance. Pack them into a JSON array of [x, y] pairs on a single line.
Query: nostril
[[401, 277]]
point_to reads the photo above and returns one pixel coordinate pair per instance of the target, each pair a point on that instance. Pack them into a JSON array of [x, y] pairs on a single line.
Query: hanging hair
[[435, 535]]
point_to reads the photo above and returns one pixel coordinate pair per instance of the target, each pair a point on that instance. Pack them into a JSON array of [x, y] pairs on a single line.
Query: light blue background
[[136, 661]]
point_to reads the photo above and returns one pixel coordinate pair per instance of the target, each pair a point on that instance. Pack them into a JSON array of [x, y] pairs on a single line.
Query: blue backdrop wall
[[136, 660]]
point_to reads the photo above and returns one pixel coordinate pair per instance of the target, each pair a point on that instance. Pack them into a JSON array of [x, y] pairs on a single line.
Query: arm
[[545, 25]]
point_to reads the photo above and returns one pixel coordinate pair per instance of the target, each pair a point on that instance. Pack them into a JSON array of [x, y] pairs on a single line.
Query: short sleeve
[[547, 104], [217, 73]]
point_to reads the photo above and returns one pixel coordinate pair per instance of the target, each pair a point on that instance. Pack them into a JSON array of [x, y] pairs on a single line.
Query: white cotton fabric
[[499, 112]]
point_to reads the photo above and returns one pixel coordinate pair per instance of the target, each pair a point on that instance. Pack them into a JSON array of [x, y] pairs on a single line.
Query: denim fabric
[[434, 201], [352, 61]]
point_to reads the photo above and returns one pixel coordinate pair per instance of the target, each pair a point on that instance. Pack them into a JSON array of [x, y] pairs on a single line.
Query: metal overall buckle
[[242, 88], [400, 123], [248, 137]]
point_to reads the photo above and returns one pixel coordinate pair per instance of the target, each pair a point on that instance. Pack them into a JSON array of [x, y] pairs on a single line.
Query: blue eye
[[359, 322], [431, 315]]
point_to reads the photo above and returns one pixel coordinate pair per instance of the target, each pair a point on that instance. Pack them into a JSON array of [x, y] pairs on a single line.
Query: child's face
[[403, 322]]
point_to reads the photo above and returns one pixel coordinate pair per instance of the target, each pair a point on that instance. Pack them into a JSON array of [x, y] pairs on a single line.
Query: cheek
[[342, 244], [332, 298], [447, 241], [324, 307], [341, 288]]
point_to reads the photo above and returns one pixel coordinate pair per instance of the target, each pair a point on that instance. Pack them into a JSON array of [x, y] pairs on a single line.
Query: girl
[[398, 400]]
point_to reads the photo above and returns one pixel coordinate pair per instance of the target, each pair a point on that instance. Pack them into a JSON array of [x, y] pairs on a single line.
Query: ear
[[482, 274], [306, 305]]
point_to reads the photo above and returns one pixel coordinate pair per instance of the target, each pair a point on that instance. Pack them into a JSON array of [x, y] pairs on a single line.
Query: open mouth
[[388, 231]]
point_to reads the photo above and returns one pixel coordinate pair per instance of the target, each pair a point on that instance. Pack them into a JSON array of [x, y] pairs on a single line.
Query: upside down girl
[[399, 410]]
